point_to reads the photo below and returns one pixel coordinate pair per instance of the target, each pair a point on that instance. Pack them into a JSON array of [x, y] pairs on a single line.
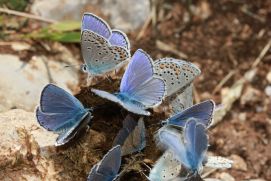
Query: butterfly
[[139, 88], [189, 148], [203, 112], [177, 74], [107, 169], [103, 49], [132, 136], [166, 168], [61, 113]]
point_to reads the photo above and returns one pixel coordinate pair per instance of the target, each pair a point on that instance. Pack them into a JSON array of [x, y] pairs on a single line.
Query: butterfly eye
[[84, 68]]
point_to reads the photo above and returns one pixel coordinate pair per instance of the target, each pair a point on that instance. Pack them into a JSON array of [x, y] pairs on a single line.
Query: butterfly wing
[[68, 135], [181, 101], [129, 125], [139, 83], [118, 38], [96, 25], [131, 106], [136, 140], [173, 141], [110, 164], [202, 111], [58, 109], [177, 74], [166, 168], [100, 57], [196, 140], [218, 162]]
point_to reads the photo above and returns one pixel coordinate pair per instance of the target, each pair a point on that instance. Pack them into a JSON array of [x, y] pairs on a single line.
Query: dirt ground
[[220, 37]]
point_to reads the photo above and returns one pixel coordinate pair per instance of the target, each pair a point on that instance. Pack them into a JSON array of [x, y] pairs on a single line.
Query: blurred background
[[229, 40]]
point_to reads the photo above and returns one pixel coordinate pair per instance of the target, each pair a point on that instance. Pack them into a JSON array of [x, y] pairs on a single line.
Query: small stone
[[226, 177], [267, 90], [242, 116], [268, 77], [238, 163]]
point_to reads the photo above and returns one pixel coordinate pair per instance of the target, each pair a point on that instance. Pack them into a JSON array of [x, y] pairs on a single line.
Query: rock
[[27, 151], [238, 163], [21, 82], [267, 90], [121, 13], [226, 177]]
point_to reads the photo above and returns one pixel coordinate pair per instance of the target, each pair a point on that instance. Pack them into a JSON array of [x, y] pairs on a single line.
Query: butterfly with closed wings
[[103, 49]]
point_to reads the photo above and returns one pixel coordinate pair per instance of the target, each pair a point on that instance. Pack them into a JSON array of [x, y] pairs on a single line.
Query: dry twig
[[26, 15], [167, 48]]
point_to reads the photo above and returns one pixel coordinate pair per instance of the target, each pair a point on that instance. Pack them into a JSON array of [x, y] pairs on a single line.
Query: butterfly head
[[83, 67]]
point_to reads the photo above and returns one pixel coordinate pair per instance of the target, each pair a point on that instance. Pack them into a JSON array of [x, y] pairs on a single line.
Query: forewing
[[100, 57], [54, 99], [196, 140], [177, 74], [118, 38], [173, 141], [202, 111], [139, 70], [110, 164], [95, 24]]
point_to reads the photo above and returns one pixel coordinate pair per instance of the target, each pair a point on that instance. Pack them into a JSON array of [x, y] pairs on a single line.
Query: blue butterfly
[[132, 136], [107, 169], [61, 113], [139, 88], [103, 49], [202, 112], [190, 148]]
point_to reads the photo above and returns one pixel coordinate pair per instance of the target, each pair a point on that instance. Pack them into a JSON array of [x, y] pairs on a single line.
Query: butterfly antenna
[[67, 66]]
